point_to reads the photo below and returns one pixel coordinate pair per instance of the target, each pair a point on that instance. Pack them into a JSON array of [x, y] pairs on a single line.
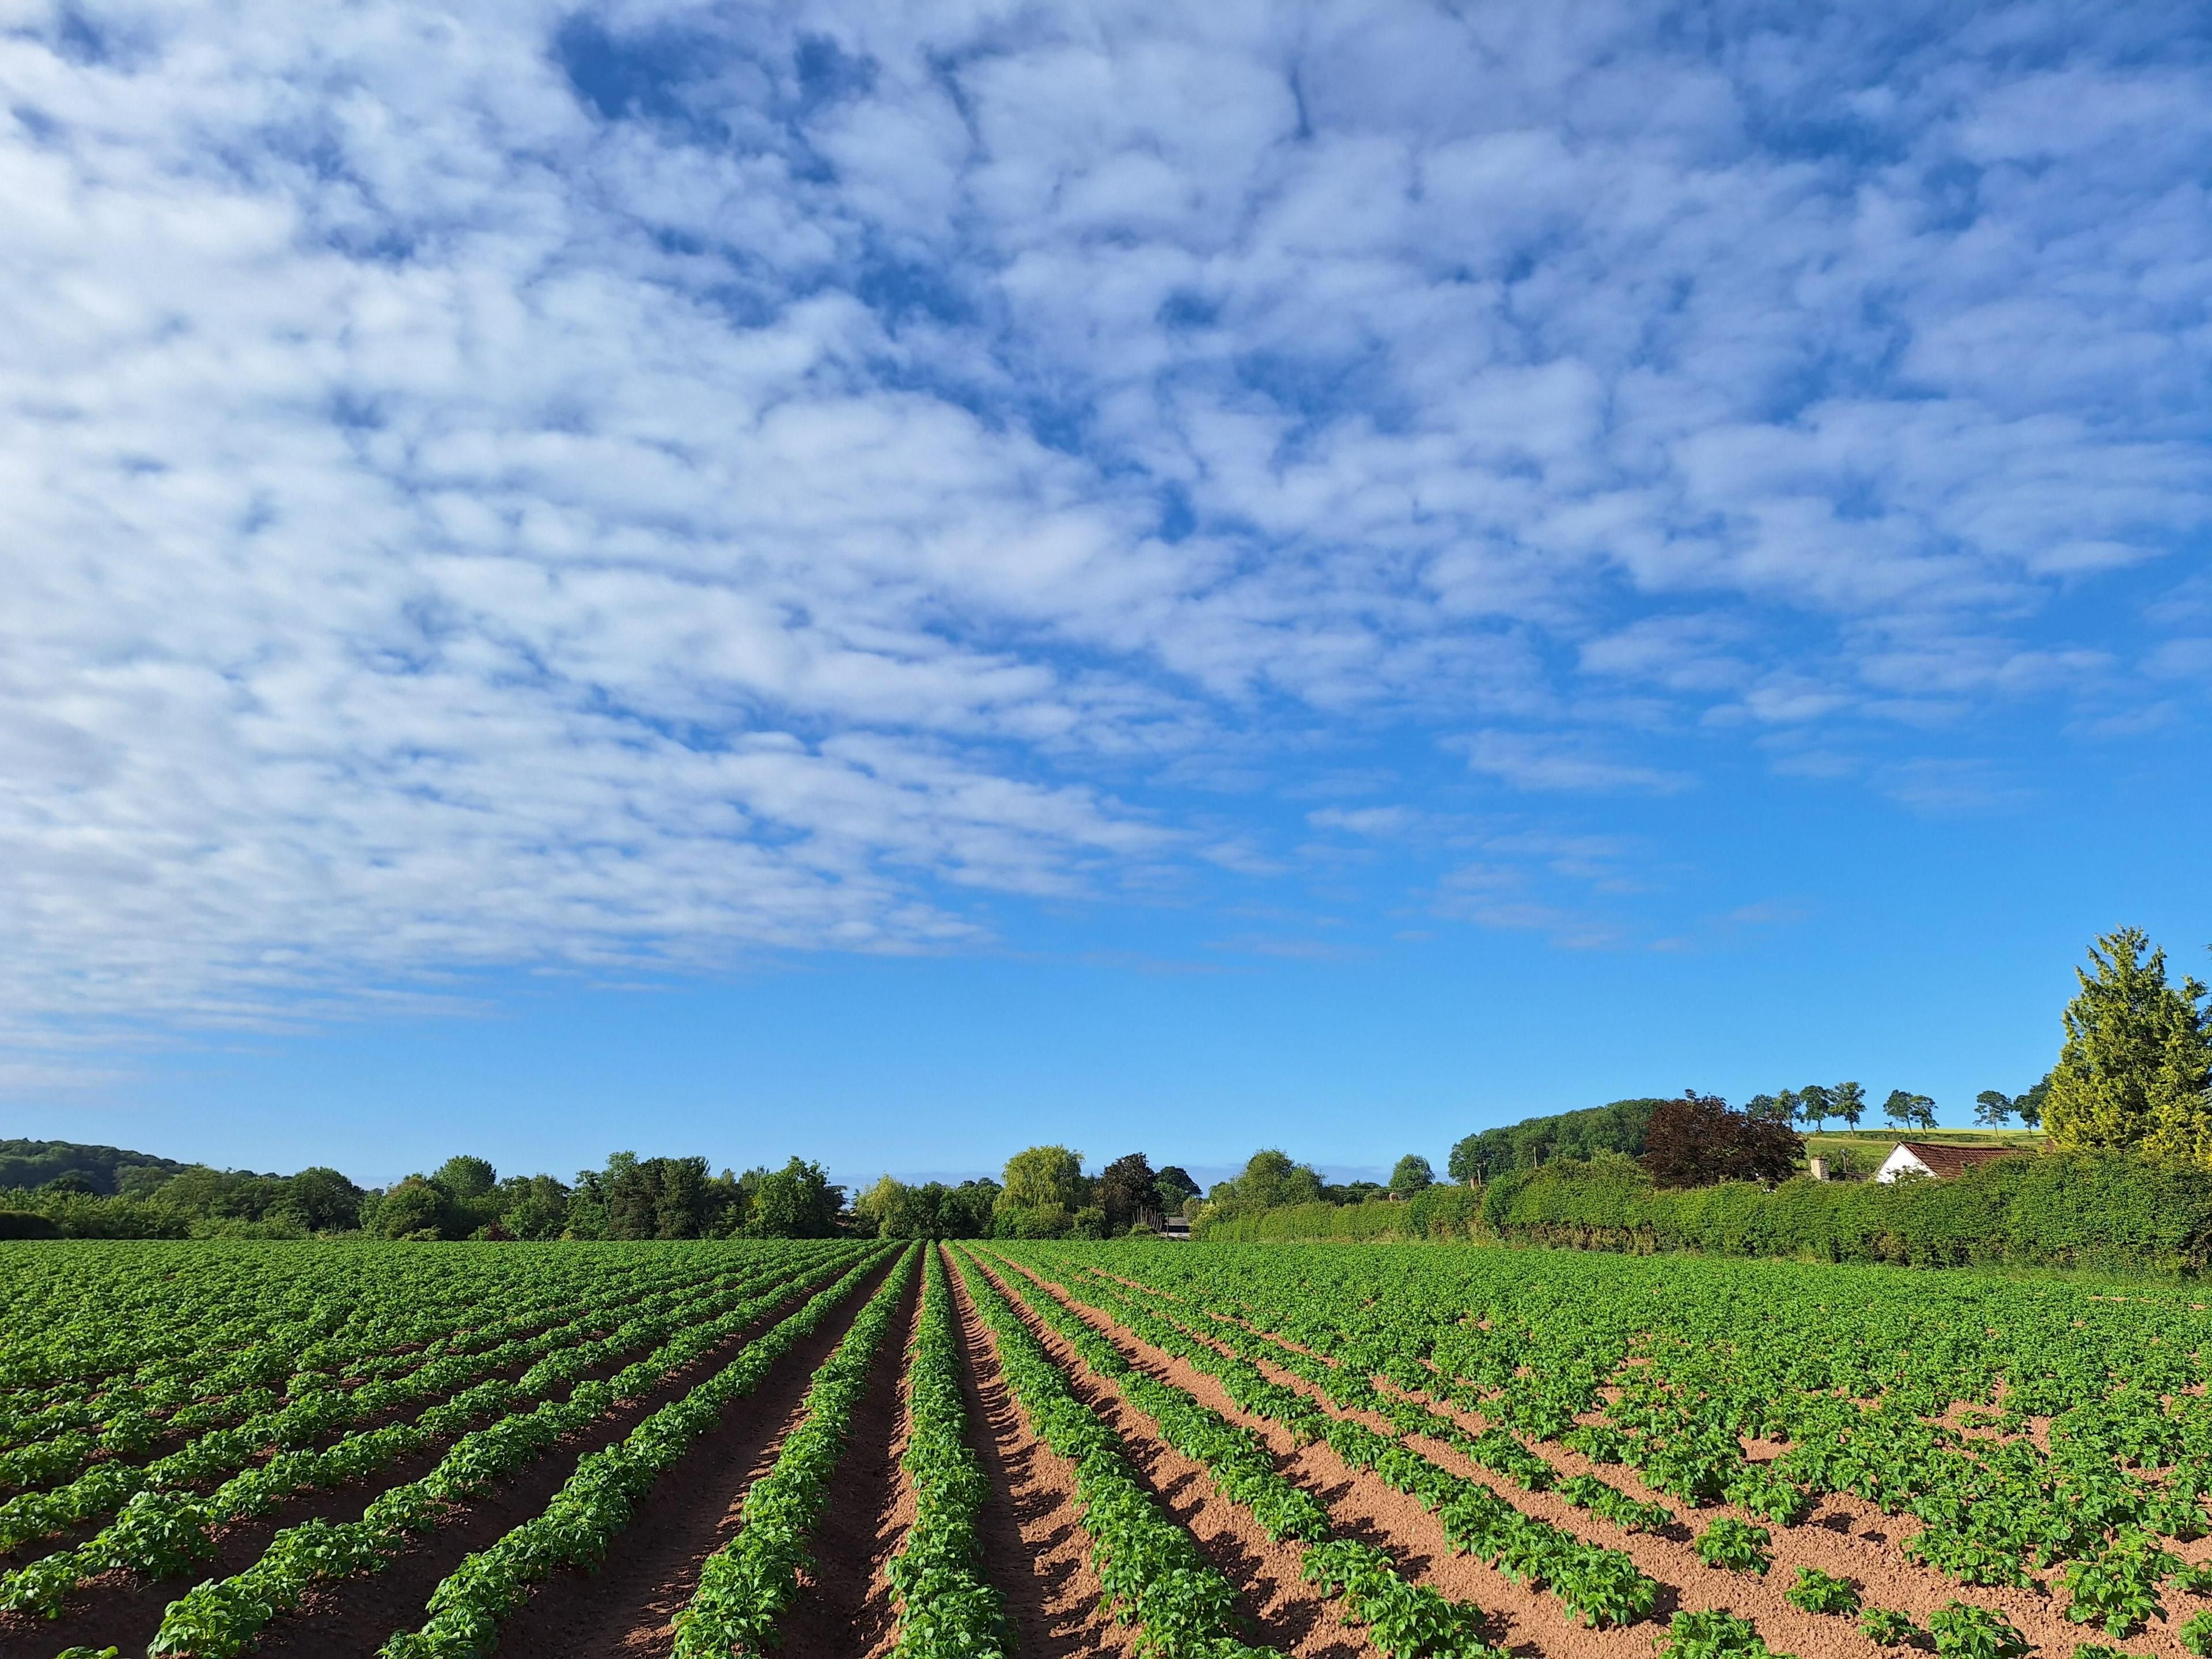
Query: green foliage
[[1041, 1176], [947, 1609], [1737, 1545], [796, 1201], [747, 1584], [2104, 1211], [1270, 1181], [2135, 1069], [1439, 1213], [1888, 1628], [892, 1209], [1126, 1190], [1713, 1634], [1564, 1137], [1820, 1592], [1412, 1175], [1908, 1110], [1962, 1631], [2196, 1633], [2118, 1588], [32, 1163]]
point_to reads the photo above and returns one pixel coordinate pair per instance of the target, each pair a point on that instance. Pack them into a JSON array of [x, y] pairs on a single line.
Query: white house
[[1925, 1158]]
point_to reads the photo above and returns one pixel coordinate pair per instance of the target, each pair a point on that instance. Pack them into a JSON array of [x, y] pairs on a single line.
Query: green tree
[[1041, 1176], [321, 1201], [1908, 1110], [1271, 1179], [796, 1201], [1413, 1174], [415, 1209], [1172, 1186], [466, 1178], [2136, 1064], [1851, 1103], [1125, 1190], [1816, 1104], [873, 1206], [1993, 1109], [534, 1206]]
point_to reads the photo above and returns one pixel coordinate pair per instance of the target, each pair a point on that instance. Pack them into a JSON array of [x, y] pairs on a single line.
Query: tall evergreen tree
[[2136, 1070]]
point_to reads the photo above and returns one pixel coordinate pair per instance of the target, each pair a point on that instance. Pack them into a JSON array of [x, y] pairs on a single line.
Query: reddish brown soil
[[1034, 1548], [627, 1605]]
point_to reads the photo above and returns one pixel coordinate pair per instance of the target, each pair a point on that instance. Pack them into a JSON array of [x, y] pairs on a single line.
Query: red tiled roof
[[1945, 1162]]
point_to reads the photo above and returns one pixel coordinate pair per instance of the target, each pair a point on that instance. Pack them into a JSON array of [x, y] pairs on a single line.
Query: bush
[[2105, 1211], [1438, 1213], [21, 1224]]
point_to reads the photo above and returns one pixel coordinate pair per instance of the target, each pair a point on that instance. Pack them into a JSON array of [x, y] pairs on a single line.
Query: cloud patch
[[522, 485]]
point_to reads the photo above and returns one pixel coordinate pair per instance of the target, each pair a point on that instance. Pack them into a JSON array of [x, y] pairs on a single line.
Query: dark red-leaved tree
[[1698, 1141]]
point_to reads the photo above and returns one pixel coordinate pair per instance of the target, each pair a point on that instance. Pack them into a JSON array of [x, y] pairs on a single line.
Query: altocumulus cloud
[[505, 484]]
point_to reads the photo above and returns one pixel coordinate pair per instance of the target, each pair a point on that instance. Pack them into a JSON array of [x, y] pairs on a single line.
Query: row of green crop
[[749, 1584], [1679, 1365], [231, 1428], [221, 1617], [1957, 1632], [947, 1609], [1352, 1385], [87, 1320], [1404, 1620], [597, 1501], [1598, 1585], [1153, 1574], [167, 1526]]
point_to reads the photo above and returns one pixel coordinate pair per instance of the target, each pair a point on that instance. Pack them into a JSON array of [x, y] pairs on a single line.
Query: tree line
[[465, 1197], [2133, 1075]]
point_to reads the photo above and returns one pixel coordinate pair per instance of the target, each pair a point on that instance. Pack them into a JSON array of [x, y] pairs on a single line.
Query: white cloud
[[1528, 762], [491, 485]]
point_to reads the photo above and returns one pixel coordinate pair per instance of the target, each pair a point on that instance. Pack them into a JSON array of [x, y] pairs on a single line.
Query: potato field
[[863, 1447]]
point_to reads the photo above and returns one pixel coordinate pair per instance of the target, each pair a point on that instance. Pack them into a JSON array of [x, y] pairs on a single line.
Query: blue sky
[[892, 583]]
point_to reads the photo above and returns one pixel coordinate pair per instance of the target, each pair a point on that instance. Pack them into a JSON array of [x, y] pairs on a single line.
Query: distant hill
[[34, 1163]]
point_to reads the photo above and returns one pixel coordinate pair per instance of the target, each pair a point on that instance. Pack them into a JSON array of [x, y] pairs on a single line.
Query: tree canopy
[[2136, 1063], [1700, 1141], [1535, 1141], [1412, 1174]]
